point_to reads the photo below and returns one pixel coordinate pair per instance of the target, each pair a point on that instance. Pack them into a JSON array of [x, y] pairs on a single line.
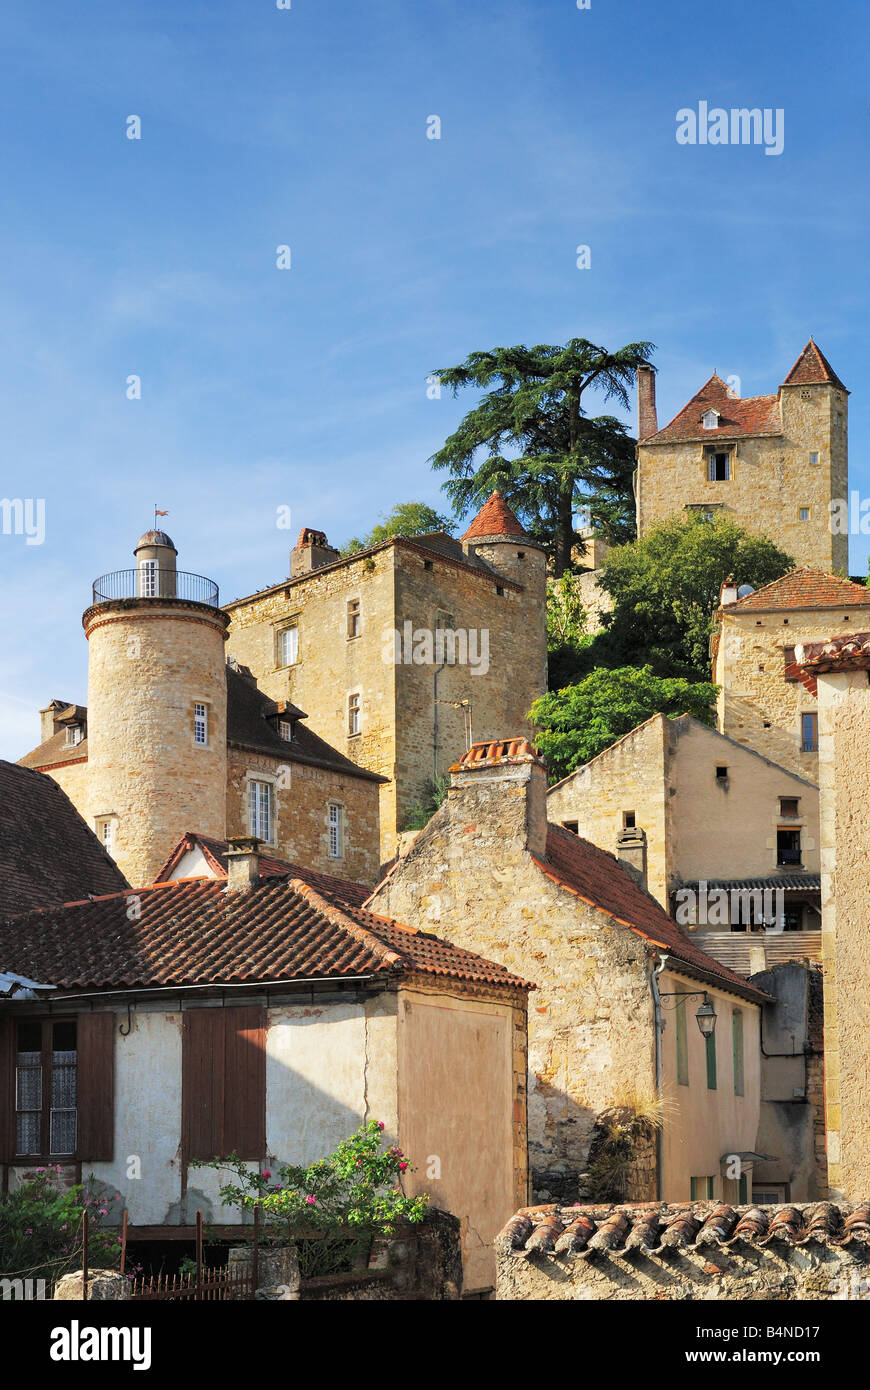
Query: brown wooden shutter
[[95, 1086], [202, 1083], [245, 1082], [7, 1088]]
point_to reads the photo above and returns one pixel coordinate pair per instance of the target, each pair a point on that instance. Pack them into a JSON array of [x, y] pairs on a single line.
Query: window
[[710, 419], [682, 1043], [105, 827], [710, 1049], [354, 714], [788, 847], [288, 646], [788, 658], [200, 725], [521, 555], [285, 730], [223, 1082], [809, 733], [789, 805], [572, 825], [336, 837], [769, 1196], [719, 468], [45, 1088], [499, 588], [804, 514], [260, 801], [814, 458], [721, 774], [737, 1049], [628, 820], [354, 618], [701, 1189], [74, 735], [427, 564], [148, 571]]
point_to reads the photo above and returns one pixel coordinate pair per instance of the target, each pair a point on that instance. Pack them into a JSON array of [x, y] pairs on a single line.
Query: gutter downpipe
[[437, 673], [659, 1027]]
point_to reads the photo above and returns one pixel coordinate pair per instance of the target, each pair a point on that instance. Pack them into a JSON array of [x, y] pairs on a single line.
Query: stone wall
[[771, 477], [302, 797]]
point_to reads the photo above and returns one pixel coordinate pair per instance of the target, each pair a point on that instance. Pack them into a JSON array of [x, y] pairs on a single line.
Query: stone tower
[[776, 464], [157, 708]]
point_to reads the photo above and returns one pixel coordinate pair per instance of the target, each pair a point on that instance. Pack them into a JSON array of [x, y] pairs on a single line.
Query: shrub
[[41, 1229]]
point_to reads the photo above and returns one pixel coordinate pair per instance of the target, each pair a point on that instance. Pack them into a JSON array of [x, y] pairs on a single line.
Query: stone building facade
[[762, 702], [837, 669], [490, 873], [772, 463], [400, 652], [175, 739]]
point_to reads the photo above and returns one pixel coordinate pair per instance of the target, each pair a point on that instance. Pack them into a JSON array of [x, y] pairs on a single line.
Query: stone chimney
[[243, 864], [728, 591], [498, 792], [631, 853], [647, 420], [840, 669], [311, 551]]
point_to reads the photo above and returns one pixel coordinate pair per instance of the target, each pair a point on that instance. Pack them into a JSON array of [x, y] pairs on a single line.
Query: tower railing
[[156, 584]]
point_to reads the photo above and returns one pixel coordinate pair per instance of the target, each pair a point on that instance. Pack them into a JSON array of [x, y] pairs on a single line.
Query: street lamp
[[706, 1015]]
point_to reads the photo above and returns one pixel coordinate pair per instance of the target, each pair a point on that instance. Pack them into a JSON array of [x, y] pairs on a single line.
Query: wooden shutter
[[202, 1083], [7, 1088], [95, 1086], [244, 1127]]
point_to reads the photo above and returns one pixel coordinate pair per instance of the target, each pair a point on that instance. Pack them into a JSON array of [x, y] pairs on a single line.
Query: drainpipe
[[438, 671], [659, 1027]]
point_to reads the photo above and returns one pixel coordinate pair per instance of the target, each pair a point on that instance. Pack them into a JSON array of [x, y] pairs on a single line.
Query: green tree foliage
[[665, 590], [530, 437], [579, 722], [435, 790], [405, 519]]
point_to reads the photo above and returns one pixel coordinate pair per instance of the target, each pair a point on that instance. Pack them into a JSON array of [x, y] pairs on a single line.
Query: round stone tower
[[157, 709]]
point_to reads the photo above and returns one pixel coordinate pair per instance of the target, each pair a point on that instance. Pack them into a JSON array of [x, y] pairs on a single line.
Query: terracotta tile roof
[[194, 932], [851, 652], [752, 415], [48, 854], [495, 518], [807, 680], [653, 1228], [598, 877], [803, 588], [215, 851], [811, 368], [493, 752]]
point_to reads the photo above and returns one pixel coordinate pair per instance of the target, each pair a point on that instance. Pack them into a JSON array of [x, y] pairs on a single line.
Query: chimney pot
[[631, 853], [243, 864]]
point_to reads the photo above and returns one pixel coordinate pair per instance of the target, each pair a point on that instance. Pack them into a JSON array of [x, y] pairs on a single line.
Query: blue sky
[[307, 127]]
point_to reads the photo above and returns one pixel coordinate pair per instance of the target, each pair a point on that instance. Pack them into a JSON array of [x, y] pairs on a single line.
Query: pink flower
[[380, 1124], [103, 1211], [311, 1200], [58, 1167], [29, 1231], [40, 1170], [402, 1166], [267, 1173]]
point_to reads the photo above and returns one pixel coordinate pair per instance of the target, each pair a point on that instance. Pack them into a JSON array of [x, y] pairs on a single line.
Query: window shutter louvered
[[7, 1089], [95, 1086]]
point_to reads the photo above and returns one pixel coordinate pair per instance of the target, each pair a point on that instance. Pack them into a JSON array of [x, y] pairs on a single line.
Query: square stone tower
[[774, 463]]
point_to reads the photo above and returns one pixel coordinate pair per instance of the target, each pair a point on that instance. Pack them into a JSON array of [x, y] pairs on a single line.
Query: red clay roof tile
[[811, 368], [803, 588], [495, 518]]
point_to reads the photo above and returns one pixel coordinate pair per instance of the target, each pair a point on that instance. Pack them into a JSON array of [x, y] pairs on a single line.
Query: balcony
[[156, 584]]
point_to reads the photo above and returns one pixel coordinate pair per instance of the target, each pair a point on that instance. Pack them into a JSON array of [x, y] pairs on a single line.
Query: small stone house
[[397, 651], [269, 1017], [773, 463], [608, 1026], [714, 818], [762, 702]]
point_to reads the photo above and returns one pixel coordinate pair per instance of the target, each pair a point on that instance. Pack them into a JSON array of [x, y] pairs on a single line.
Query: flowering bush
[[358, 1187], [41, 1229]]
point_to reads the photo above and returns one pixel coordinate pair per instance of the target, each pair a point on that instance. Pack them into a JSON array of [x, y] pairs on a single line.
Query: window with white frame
[[285, 729], [336, 831], [354, 714], [719, 468], [200, 725], [261, 809], [74, 735], [814, 458], [710, 419], [148, 571], [288, 645], [105, 827]]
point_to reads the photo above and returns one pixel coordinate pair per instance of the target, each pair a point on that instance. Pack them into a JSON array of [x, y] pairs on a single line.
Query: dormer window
[[710, 419], [285, 730], [74, 735]]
